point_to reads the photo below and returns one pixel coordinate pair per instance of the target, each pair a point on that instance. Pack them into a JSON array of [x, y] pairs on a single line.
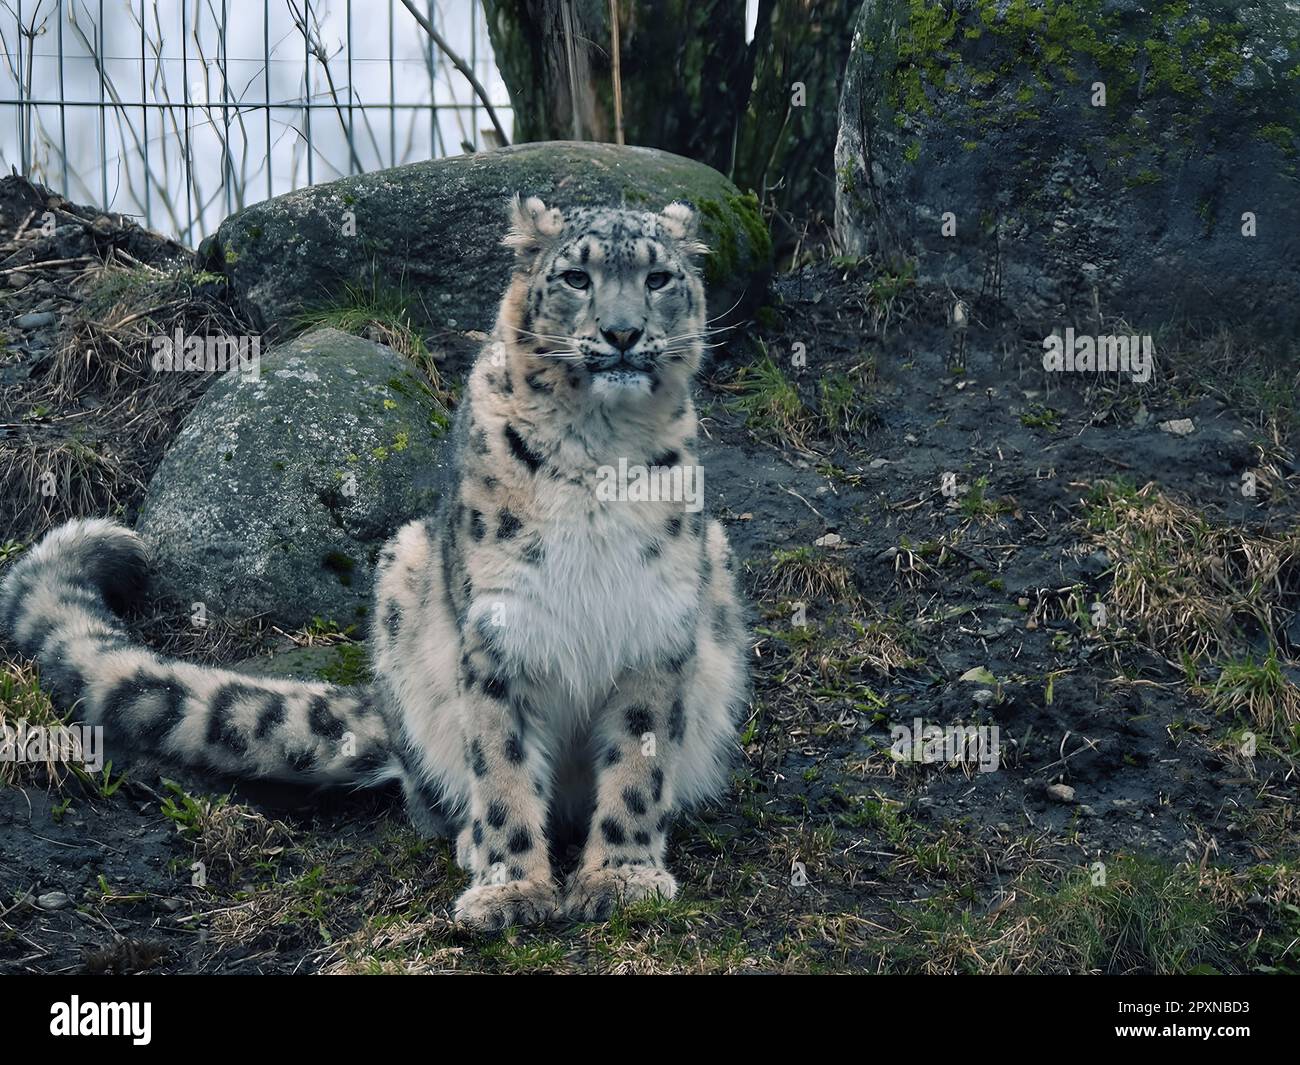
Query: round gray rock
[[429, 234], [279, 491], [1144, 152]]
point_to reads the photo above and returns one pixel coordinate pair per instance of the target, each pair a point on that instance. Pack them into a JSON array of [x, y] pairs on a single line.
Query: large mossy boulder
[[280, 489], [1145, 154], [430, 232]]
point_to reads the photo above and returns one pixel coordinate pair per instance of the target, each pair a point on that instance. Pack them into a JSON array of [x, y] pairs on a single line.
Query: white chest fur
[[602, 599]]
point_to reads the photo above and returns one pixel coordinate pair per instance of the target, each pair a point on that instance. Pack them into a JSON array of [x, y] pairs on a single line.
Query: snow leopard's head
[[614, 296]]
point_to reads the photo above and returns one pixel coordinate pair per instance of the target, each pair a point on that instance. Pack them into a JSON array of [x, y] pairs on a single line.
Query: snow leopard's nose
[[623, 339]]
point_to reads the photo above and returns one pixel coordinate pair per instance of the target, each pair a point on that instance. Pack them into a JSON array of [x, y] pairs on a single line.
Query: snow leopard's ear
[[533, 226], [680, 222]]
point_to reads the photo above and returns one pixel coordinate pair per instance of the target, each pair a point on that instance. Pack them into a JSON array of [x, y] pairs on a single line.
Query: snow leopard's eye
[[576, 279], [658, 279]]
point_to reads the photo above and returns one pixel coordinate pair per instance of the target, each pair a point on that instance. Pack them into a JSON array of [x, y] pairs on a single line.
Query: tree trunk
[[690, 83], [685, 71], [544, 51]]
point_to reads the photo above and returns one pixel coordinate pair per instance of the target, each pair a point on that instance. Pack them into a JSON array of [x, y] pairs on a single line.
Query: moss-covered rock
[[993, 110], [433, 229], [280, 490]]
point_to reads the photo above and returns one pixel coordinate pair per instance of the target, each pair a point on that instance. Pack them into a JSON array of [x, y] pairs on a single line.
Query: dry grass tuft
[[22, 700], [1196, 592], [115, 412], [228, 838], [57, 470], [882, 644], [1185, 586], [804, 573], [381, 314], [1259, 692]]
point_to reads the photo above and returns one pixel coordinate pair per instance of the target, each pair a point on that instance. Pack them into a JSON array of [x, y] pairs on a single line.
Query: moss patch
[[1205, 70], [733, 227]]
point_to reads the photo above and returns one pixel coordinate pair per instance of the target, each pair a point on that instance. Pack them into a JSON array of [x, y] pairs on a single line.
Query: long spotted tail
[[55, 607]]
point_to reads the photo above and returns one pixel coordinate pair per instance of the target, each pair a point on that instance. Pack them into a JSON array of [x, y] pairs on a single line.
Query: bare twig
[[460, 65]]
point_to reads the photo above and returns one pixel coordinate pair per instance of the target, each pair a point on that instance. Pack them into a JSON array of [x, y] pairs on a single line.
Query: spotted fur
[[551, 665]]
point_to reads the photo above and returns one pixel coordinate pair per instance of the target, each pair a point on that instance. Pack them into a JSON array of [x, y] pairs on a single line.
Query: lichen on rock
[[280, 490], [1143, 157]]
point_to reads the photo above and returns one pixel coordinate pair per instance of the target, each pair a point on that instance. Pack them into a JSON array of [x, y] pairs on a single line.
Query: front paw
[[492, 907], [594, 893]]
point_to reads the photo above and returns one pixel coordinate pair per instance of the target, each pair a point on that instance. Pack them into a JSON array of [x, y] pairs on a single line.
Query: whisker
[[543, 336], [688, 350], [718, 317], [702, 333]]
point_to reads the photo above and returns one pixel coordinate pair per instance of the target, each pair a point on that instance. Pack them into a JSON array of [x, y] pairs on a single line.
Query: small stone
[[876, 464], [829, 540], [34, 320], [1060, 793], [1178, 427], [19, 280], [1096, 564], [983, 697], [53, 900]]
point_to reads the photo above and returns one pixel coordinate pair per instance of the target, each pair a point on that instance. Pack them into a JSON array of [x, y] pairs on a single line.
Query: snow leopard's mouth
[[616, 364], [621, 379]]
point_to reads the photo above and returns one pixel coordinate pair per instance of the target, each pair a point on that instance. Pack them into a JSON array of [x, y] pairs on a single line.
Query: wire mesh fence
[[181, 111]]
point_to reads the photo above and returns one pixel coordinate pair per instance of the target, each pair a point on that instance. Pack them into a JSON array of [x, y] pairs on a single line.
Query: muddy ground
[[1122, 831]]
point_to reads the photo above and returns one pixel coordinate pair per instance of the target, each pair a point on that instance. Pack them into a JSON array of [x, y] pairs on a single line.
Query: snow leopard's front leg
[[507, 846], [637, 739]]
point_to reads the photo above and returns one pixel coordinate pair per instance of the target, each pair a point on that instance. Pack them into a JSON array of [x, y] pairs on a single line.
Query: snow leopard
[[560, 666]]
